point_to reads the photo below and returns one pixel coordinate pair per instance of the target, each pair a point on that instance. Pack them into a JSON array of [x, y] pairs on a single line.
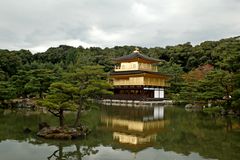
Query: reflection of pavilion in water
[[134, 127]]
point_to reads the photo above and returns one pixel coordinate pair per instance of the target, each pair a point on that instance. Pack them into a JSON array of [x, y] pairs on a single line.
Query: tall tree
[[91, 82], [61, 97]]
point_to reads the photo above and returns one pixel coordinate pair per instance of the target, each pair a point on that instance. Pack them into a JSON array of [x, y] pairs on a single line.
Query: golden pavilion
[[136, 77]]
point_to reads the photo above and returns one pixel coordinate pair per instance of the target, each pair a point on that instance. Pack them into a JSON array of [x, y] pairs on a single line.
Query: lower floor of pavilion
[[138, 92]]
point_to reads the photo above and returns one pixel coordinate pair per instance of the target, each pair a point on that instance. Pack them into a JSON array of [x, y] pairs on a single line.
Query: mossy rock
[[63, 132]]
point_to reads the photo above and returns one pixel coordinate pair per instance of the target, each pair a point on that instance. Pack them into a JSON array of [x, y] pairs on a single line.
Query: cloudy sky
[[39, 24]]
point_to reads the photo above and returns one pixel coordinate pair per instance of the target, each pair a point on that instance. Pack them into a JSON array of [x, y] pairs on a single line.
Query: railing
[[140, 66], [126, 82], [145, 82]]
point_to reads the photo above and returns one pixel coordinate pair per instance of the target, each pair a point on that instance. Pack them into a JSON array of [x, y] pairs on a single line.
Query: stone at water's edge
[[43, 125], [189, 106], [63, 132], [193, 107]]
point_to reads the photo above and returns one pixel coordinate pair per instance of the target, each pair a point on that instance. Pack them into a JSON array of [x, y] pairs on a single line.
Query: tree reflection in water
[[78, 154]]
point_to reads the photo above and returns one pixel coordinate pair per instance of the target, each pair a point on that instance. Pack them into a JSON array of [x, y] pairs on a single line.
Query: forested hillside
[[23, 74]]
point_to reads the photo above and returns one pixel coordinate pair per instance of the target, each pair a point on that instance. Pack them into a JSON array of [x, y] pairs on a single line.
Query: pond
[[124, 133]]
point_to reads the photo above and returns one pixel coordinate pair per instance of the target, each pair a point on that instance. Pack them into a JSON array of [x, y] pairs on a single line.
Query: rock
[[193, 107], [63, 133], [43, 132], [188, 106], [57, 130], [48, 136], [62, 136], [75, 135], [43, 125]]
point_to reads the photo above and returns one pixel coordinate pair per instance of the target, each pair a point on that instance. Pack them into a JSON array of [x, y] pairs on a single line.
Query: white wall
[[159, 93]]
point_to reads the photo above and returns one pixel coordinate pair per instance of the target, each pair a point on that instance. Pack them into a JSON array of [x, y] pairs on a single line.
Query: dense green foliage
[[23, 74]]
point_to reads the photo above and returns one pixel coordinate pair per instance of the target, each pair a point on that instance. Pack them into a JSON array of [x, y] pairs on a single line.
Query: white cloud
[[96, 35], [143, 13], [38, 24], [74, 43]]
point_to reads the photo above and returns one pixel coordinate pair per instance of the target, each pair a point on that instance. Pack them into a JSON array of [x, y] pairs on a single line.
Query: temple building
[[136, 77]]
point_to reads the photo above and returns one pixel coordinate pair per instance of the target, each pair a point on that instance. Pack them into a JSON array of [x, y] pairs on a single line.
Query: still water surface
[[122, 133]]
